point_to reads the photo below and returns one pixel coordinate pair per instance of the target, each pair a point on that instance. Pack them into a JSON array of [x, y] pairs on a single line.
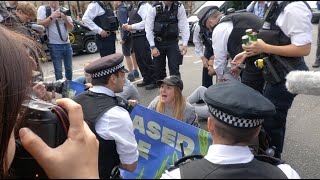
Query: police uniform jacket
[[137, 16], [223, 43], [224, 155], [182, 24], [93, 11]]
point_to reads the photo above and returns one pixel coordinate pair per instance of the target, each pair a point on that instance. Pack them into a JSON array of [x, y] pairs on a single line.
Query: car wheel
[[91, 46]]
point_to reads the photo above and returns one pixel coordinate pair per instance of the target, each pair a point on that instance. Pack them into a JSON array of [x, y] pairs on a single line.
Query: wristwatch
[[151, 47], [50, 18]]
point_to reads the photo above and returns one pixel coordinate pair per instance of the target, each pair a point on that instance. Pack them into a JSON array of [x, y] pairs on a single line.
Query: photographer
[[58, 22], [19, 21], [61, 162]]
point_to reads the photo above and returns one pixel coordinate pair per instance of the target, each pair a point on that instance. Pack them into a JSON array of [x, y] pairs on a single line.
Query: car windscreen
[[208, 3]]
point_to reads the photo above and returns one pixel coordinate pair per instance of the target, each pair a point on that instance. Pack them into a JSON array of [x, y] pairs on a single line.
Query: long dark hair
[[16, 66]]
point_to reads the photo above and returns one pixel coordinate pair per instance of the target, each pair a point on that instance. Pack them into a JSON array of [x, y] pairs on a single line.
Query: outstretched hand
[[77, 157], [239, 58]]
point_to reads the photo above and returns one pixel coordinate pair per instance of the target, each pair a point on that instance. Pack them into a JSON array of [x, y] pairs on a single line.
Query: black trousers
[[174, 60], [206, 78], [144, 60], [107, 45]]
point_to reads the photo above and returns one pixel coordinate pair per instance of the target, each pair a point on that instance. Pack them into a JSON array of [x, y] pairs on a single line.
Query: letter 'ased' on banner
[[159, 138]]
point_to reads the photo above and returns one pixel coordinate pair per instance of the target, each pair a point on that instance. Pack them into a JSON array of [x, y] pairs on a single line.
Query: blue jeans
[[282, 99], [57, 53]]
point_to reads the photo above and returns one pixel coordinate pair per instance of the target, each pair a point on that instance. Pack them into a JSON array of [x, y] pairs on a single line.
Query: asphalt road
[[302, 143]]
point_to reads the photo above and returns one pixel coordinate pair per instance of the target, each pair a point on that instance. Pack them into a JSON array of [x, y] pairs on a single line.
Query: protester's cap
[[207, 14], [238, 105], [172, 81], [106, 65]]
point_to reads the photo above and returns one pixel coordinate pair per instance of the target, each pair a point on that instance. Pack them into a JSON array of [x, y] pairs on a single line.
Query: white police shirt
[[223, 154], [93, 10], [116, 125], [52, 30], [294, 21], [220, 37], [143, 12], [198, 46], [182, 24]]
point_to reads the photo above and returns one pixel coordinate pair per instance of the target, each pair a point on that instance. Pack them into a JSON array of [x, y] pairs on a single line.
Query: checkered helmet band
[[234, 121], [107, 71]]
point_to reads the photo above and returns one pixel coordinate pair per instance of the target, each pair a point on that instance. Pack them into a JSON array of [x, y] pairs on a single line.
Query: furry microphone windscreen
[[303, 82]]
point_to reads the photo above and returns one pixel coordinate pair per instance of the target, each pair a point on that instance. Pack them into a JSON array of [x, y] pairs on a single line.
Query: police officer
[[165, 20], [99, 17], [233, 123], [136, 25], [227, 38], [202, 38], [285, 38], [107, 117]]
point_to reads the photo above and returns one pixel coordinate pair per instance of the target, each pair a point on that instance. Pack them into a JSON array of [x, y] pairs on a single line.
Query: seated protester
[[171, 102], [236, 116], [129, 90], [86, 79], [198, 95]]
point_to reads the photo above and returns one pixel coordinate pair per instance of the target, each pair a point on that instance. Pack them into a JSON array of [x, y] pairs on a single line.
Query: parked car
[[238, 6], [82, 38], [315, 12]]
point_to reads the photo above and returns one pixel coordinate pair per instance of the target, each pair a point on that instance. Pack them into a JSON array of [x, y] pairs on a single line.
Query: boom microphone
[[36, 27], [303, 82]]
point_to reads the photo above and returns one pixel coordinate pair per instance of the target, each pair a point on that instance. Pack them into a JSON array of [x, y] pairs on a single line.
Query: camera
[[65, 11], [51, 124], [57, 86]]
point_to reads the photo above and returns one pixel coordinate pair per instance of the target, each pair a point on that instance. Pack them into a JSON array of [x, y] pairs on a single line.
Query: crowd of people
[[243, 100]]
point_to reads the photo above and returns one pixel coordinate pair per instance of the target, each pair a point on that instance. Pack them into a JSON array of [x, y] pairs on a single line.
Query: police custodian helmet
[[106, 65], [238, 105]]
